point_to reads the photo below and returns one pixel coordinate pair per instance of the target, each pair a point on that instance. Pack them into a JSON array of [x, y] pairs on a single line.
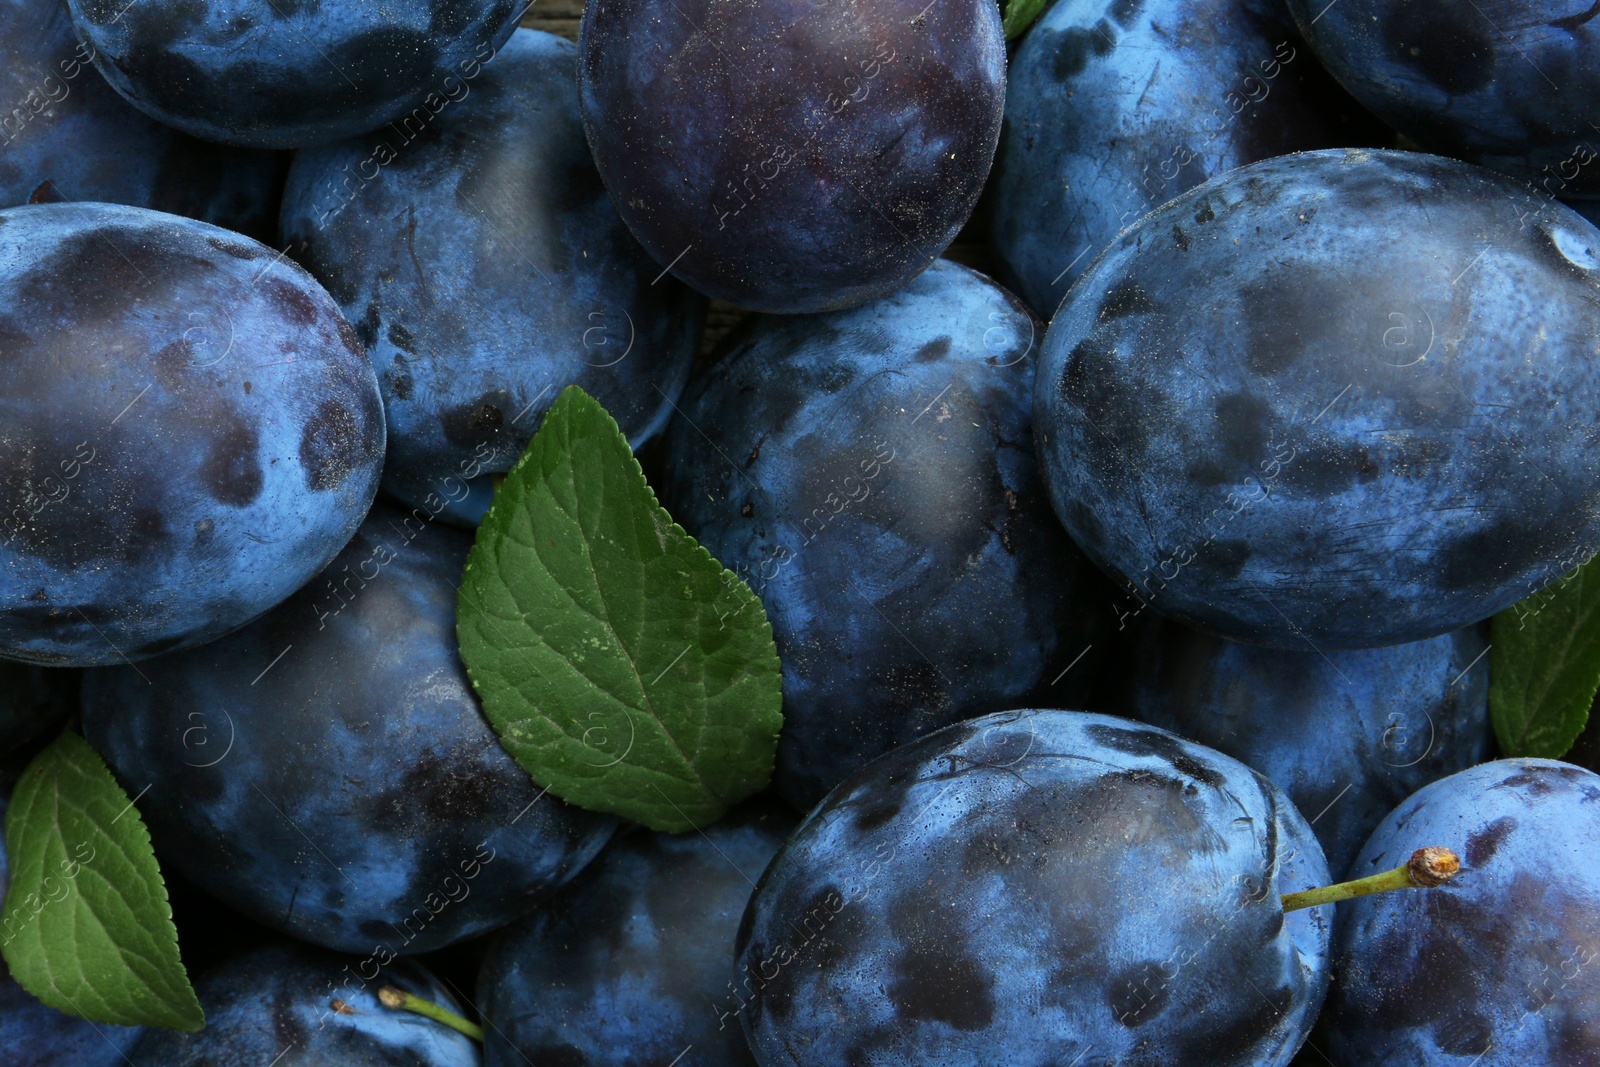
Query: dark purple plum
[[1502, 964], [289, 73], [328, 771], [289, 1006], [1347, 735], [485, 269], [1037, 889], [1509, 84], [793, 155], [1332, 400], [66, 135], [189, 431], [871, 474], [1115, 107], [632, 963]]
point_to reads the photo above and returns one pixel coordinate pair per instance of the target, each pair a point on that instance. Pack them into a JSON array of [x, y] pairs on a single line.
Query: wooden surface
[[561, 17]]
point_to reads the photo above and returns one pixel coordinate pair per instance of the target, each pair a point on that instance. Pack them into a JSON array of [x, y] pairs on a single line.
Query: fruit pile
[[532, 551]]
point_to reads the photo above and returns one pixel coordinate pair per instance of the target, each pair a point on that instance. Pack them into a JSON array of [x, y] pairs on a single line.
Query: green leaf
[[86, 926], [1020, 15], [1545, 666], [625, 669]]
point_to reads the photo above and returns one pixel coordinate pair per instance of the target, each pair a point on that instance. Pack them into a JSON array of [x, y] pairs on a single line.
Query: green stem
[[1426, 869], [391, 997]]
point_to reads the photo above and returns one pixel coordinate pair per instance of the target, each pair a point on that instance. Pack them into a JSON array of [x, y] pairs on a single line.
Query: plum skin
[[795, 155], [189, 431], [291, 1006], [1027, 886], [504, 276], [1115, 107], [287, 75], [626, 964], [1508, 84], [871, 474], [69, 136], [1347, 735], [1314, 402], [340, 781], [1502, 957]]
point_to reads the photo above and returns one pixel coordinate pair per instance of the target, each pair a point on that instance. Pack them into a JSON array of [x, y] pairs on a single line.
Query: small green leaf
[[625, 669], [1020, 15], [86, 926], [1545, 666]]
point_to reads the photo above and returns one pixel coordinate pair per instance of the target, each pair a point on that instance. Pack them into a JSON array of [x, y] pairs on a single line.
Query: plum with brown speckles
[[149, 501], [1502, 964], [1117, 106], [485, 270], [1034, 889], [871, 473], [339, 780], [1355, 410]]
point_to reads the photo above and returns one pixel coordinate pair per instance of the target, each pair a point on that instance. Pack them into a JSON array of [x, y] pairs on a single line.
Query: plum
[[1347, 735], [293, 72], [66, 135], [485, 269], [32, 1035], [871, 474], [328, 771], [33, 700], [189, 431], [1337, 399], [1509, 84], [1038, 888], [631, 963], [1116, 106], [289, 1006], [1501, 966], [793, 155]]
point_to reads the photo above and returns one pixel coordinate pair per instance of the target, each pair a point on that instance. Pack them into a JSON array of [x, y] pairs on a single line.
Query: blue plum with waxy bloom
[[328, 770], [485, 269], [1347, 735], [871, 474], [1116, 106], [1338, 399], [189, 431], [1501, 965], [1038, 888], [632, 962], [1509, 84], [290, 1006], [291, 73], [793, 155], [66, 135]]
